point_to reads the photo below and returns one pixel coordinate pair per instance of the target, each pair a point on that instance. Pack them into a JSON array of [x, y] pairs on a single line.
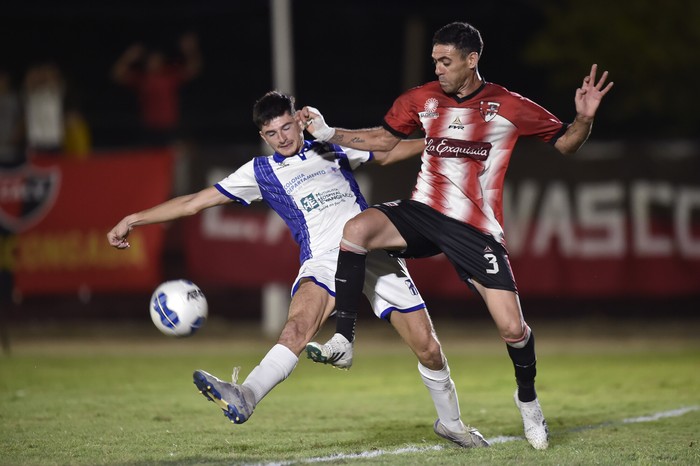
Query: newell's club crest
[[488, 110], [27, 194]]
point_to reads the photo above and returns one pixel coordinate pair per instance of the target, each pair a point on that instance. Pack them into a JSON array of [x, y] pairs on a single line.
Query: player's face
[[284, 135], [453, 71]]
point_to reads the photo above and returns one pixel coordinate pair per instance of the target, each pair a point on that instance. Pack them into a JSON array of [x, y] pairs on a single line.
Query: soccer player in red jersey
[[471, 127]]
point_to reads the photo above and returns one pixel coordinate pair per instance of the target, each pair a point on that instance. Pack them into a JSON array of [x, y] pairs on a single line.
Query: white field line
[[500, 439]]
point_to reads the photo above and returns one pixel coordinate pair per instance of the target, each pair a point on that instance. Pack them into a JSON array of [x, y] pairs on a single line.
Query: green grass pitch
[[119, 394]]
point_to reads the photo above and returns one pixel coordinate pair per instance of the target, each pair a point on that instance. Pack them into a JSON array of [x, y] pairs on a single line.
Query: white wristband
[[325, 133], [322, 131]]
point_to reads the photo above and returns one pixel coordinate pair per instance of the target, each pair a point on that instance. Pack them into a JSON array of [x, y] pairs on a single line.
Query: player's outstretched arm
[[405, 149], [181, 206], [373, 139], [587, 100]]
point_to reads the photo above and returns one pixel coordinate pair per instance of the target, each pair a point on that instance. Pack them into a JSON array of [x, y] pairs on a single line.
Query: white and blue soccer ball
[[179, 308]]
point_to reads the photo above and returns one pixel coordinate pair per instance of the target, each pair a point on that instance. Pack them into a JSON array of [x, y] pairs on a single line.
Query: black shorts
[[473, 254]]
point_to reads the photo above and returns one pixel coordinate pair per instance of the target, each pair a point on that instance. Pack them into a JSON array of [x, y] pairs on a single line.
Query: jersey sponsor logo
[[27, 195], [488, 110], [309, 202], [456, 124], [325, 199], [430, 108], [456, 148]]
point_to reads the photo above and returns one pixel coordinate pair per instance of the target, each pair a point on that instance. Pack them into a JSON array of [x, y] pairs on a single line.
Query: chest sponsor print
[[324, 199], [457, 148]]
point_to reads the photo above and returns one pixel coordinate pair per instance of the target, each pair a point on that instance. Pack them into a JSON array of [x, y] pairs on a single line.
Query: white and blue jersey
[[315, 193]]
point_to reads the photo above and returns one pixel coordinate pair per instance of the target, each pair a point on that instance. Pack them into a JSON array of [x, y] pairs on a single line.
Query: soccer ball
[[178, 308]]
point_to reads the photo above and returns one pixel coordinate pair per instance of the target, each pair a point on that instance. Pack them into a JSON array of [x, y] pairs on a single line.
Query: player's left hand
[[117, 236], [589, 95]]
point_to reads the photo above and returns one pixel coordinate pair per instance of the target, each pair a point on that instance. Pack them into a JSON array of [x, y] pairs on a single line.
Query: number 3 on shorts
[[493, 262]]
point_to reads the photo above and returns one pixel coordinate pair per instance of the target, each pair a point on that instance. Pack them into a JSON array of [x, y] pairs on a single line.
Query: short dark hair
[[270, 106], [465, 37]]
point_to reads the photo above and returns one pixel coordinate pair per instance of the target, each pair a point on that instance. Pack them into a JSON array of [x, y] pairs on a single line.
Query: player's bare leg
[[309, 308], [367, 231], [417, 331], [506, 312]]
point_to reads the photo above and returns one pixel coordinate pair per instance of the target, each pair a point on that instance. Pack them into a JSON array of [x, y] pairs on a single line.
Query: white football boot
[[536, 431], [337, 352], [469, 437]]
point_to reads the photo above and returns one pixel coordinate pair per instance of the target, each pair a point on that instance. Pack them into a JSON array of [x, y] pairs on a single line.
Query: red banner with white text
[[56, 214], [626, 225]]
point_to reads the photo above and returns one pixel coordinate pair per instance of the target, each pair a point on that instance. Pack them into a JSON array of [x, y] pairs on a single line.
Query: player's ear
[[473, 60]]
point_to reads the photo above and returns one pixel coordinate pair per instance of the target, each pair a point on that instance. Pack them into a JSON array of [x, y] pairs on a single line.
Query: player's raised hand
[[312, 121], [117, 236], [589, 95], [305, 118]]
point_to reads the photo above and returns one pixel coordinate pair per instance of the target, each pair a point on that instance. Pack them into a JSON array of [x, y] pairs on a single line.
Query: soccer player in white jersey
[[311, 186], [471, 127]]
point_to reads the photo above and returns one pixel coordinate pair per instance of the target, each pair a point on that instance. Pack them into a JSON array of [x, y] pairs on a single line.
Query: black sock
[[525, 364], [349, 281]]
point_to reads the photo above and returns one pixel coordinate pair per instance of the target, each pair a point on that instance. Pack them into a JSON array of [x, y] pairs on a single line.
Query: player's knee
[[297, 333], [516, 334], [355, 231], [430, 355]]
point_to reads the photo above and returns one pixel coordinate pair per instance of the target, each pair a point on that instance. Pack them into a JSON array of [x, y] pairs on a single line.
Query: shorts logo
[[488, 110], [411, 287], [309, 203], [430, 108], [456, 124]]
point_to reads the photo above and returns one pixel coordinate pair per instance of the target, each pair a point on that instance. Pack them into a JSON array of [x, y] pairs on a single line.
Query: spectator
[[77, 143], [157, 83], [44, 91]]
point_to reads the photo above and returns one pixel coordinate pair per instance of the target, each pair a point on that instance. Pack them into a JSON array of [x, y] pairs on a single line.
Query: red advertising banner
[[57, 213], [235, 245], [244, 247], [594, 227]]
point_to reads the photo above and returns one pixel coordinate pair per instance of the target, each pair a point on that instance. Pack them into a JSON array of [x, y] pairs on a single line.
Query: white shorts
[[388, 285]]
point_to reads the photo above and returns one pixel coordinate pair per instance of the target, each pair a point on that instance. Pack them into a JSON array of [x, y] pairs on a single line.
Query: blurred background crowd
[[81, 81], [116, 65]]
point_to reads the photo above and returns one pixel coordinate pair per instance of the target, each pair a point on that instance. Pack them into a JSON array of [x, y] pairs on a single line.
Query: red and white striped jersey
[[469, 143]]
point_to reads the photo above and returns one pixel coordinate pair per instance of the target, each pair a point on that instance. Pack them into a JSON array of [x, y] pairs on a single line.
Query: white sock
[[276, 366], [442, 390]]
